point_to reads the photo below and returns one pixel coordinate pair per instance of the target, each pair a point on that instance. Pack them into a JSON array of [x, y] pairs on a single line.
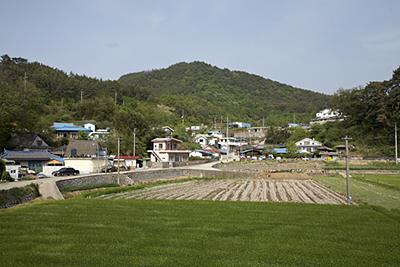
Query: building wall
[[13, 170], [85, 165]]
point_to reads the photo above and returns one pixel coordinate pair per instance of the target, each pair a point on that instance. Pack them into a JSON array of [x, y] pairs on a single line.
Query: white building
[[99, 134], [326, 115], [85, 165], [201, 139], [216, 134], [12, 168], [308, 145], [90, 126], [167, 150], [231, 142]]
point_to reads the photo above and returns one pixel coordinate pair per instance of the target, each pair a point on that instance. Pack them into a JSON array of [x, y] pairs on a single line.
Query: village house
[[232, 142], [12, 168], [167, 150], [99, 134], [252, 132], [168, 130], [201, 139], [204, 154], [32, 159], [308, 145], [27, 140], [237, 124], [84, 149], [68, 130], [326, 115]]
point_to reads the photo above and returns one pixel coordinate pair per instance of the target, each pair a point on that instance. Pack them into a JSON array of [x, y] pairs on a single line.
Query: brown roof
[[82, 148]]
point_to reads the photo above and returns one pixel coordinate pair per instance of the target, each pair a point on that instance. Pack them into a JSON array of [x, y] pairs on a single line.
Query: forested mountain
[[34, 95], [203, 91]]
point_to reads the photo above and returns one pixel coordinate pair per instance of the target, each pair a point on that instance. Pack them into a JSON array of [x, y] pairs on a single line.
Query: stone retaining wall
[[15, 196], [128, 178], [175, 173], [96, 179]]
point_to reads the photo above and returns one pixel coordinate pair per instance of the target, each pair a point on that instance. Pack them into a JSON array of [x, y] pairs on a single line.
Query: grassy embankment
[[379, 190], [92, 232], [334, 165]]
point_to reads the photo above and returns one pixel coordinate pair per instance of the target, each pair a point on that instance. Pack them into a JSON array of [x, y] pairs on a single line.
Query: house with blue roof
[[68, 130]]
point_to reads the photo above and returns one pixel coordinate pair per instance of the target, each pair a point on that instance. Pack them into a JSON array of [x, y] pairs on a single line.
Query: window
[[160, 146]]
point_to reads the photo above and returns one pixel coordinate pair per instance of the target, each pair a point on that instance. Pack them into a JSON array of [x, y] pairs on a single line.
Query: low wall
[[18, 195], [190, 162], [128, 178], [97, 179], [175, 173]]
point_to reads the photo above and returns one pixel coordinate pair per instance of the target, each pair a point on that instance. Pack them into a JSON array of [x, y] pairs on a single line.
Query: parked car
[[65, 172], [41, 175], [109, 168]]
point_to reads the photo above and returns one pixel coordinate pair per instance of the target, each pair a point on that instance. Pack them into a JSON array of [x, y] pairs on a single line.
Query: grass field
[[90, 232], [379, 190], [334, 165], [389, 180]]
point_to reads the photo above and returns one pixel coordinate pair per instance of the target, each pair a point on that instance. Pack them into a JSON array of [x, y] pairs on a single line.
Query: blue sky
[[314, 44]]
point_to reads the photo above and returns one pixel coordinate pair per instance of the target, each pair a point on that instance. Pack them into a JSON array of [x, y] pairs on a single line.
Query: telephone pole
[[118, 152], [81, 95], [134, 141], [395, 143], [347, 170], [263, 122], [115, 97], [227, 138]]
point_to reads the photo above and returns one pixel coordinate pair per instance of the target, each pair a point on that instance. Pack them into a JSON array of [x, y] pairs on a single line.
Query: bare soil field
[[255, 189], [274, 166]]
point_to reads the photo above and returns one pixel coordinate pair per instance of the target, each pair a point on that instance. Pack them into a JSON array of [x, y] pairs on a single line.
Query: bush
[[15, 196]]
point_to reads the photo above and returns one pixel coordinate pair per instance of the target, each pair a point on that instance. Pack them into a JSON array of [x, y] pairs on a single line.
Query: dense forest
[[34, 95], [370, 114], [204, 92]]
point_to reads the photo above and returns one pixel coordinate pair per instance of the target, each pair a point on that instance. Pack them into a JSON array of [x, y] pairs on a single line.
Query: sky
[[321, 45]]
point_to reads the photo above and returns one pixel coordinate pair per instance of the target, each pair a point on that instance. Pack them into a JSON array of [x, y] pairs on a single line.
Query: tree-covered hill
[[200, 90], [34, 95]]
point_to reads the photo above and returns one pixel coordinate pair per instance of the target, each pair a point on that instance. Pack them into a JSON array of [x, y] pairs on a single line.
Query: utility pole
[[227, 138], [263, 122], [395, 143], [134, 141], [81, 95], [347, 170], [294, 117], [118, 152], [115, 97]]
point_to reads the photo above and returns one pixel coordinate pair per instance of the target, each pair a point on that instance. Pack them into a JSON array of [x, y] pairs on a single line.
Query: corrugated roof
[[68, 127], [166, 139]]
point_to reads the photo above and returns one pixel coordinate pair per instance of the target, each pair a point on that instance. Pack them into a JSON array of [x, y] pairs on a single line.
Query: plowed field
[[305, 191]]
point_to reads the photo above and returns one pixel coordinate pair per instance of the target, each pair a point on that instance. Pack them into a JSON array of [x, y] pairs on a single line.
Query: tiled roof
[[31, 155]]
